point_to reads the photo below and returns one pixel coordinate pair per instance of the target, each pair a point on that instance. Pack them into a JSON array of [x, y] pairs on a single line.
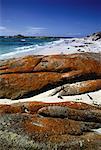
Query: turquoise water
[[8, 45]]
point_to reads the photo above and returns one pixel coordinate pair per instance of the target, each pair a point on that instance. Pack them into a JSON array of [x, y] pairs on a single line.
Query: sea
[[19, 46]]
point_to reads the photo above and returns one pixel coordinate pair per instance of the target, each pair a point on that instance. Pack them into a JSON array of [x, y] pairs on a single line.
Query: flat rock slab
[[31, 75]]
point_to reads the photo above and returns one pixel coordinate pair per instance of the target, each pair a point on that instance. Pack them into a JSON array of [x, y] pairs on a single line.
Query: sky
[[50, 17]]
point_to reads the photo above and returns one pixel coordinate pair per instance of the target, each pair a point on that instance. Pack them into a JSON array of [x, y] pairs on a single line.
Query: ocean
[[17, 46]]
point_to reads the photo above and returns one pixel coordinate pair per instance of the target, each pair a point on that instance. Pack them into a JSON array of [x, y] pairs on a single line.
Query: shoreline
[[59, 47]]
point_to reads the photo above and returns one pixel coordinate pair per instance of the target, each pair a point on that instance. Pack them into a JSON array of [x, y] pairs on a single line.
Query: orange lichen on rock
[[90, 86], [25, 120], [51, 126], [56, 126], [28, 76], [10, 109], [65, 63], [33, 107], [62, 125], [77, 88], [15, 86], [19, 65]]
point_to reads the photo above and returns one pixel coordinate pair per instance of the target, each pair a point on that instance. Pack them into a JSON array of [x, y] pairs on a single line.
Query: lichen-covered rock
[[28, 76], [34, 107], [65, 112], [39, 125], [84, 62], [11, 140], [77, 88], [19, 65], [16, 86], [23, 127]]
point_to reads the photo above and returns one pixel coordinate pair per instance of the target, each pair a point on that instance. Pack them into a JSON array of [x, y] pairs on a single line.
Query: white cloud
[[30, 30], [35, 30], [6, 31], [2, 28]]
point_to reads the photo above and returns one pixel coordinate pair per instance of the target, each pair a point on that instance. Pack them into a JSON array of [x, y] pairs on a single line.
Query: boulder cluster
[[38, 125], [48, 126], [95, 36]]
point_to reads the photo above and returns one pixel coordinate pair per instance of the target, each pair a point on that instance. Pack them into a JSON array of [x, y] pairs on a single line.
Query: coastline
[[58, 65], [50, 75], [59, 47]]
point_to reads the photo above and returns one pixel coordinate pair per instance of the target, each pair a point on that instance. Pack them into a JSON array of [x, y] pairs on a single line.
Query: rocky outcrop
[[95, 36], [28, 76], [38, 125]]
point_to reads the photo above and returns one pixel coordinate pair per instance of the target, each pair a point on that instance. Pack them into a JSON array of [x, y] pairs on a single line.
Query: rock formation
[[28, 76], [38, 125], [95, 36]]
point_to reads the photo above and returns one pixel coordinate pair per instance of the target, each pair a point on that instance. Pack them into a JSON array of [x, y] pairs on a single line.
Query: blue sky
[[50, 17]]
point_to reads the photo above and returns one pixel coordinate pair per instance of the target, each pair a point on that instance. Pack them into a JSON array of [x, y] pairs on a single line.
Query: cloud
[[73, 34], [6, 31], [35, 30], [2, 28], [25, 31]]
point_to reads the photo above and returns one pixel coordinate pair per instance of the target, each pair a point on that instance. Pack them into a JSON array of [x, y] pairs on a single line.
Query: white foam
[[27, 50]]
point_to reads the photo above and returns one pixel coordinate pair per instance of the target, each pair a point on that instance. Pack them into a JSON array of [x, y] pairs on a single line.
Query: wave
[[28, 50]]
